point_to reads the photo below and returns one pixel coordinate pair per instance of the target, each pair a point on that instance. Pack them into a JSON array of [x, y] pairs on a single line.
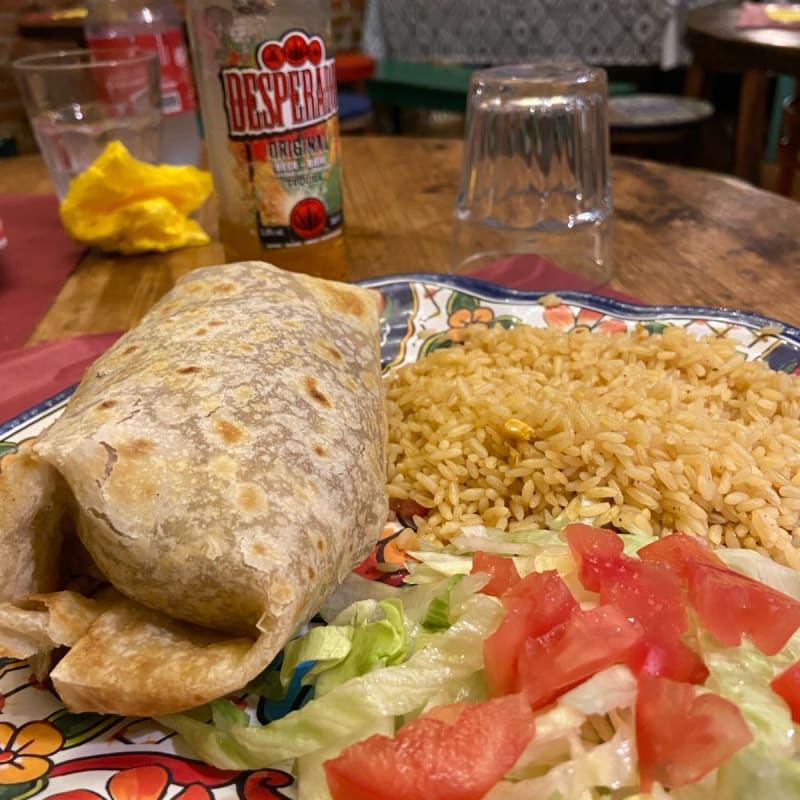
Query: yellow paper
[[126, 206], [784, 14]]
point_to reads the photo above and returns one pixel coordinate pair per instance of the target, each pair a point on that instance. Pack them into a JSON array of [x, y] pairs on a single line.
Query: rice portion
[[662, 432]]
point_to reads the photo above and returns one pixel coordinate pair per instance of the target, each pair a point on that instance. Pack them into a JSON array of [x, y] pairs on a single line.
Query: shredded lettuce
[[612, 688], [389, 654], [355, 705], [363, 637], [437, 617], [742, 675], [610, 765]]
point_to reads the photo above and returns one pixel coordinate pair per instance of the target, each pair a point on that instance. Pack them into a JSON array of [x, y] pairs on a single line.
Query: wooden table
[[719, 46], [681, 236]]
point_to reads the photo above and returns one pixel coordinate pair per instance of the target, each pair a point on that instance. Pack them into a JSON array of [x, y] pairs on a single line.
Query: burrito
[[214, 477]]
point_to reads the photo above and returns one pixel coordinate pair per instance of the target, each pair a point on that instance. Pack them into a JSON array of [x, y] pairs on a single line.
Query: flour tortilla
[[33, 500], [224, 466]]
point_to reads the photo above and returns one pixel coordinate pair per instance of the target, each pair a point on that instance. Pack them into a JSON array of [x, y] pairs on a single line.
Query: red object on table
[[33, 266], [758, 15], [536, 274], [30, 375], [353, 67]]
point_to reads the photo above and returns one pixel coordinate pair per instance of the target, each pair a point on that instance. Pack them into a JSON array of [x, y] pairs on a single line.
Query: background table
[[680, 236], [604, 32], [719, 46]]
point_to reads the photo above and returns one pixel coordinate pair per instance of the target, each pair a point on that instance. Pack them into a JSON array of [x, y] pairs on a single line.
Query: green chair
[[438, 87], [784, 89]]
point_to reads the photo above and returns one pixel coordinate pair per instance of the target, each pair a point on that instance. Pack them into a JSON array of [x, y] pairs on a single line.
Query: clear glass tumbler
[[78, 101], [536, 176]]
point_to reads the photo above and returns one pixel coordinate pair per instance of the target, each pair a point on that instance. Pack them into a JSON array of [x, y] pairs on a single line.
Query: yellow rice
[[662, 432]]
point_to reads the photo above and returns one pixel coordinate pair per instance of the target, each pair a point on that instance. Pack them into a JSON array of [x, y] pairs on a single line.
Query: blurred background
[[404, 66]]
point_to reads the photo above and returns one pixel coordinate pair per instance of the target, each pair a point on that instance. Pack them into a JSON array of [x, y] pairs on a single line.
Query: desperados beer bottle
[[267, 88]]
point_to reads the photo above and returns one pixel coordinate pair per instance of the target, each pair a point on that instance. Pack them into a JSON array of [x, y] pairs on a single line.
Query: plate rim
[[496, 292], [638, 310]]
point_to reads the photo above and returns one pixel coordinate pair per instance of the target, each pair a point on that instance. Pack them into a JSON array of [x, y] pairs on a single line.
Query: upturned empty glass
[[536, 177]]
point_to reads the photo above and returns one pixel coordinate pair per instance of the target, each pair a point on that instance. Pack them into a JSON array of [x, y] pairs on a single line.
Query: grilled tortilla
[[224, 468]]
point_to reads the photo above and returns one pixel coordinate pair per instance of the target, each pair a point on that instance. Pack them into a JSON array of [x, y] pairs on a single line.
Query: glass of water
[[78, 101], [535, 177]]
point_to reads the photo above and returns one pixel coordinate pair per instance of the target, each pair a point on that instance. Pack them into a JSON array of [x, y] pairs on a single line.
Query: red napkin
[[35, 264], [29, 375], [536, 274], [757, 15]]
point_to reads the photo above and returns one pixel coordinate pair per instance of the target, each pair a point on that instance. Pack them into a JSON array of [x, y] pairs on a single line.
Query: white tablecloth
[[601, 32]]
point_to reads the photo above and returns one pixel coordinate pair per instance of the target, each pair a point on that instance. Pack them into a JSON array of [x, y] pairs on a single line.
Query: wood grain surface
[[681, 236]]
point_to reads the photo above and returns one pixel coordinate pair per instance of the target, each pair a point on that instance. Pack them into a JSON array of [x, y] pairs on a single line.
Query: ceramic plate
[[46, 751]]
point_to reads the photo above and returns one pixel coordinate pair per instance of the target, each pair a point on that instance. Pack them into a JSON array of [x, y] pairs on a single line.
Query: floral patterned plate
[[46, 751]]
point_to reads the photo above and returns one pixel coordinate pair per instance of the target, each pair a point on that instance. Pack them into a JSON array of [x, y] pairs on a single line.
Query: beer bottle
[[267, 86]]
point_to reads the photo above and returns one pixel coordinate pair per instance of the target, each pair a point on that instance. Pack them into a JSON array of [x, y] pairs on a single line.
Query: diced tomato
[[666, 657], [407, 508], [434, 758], [730, 604], [647, 592], [591, 548], [502, 571], [589, 641], [787, 685], [536, 604], [679, 550], [682, 736]]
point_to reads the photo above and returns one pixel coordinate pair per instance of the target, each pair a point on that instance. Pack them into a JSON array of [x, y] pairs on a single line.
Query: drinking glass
[[78, 101], [535, 178]]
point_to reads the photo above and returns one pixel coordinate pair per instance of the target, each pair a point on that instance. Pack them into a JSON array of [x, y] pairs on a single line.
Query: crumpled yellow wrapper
[[122, 205]]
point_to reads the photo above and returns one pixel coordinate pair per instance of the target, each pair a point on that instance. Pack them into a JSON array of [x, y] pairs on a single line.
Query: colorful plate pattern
[[48, 752]]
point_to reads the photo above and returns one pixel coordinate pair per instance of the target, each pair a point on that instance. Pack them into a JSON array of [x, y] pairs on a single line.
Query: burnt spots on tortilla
[[321, 545], [215, 323], [345, 301], [314, 392], [251, 499], [229, 431], [136, 448], [131, 348], [201, 332], [105, 405], [312, 573], [223, 288], [320, 450], [188, 370]]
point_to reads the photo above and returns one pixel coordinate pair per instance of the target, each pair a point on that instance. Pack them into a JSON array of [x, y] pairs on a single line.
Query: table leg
[[750, 125], [696, 79]]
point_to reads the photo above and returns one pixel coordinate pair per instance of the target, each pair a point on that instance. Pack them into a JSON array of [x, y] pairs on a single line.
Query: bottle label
[[283, 132], [177, 92]]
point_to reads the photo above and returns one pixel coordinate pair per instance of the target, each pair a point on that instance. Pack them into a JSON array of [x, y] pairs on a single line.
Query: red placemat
[[30, 375], [35, 264], [536, 274]]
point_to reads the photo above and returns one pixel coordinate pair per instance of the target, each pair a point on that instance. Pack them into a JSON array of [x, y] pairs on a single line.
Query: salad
[[575, 663]]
